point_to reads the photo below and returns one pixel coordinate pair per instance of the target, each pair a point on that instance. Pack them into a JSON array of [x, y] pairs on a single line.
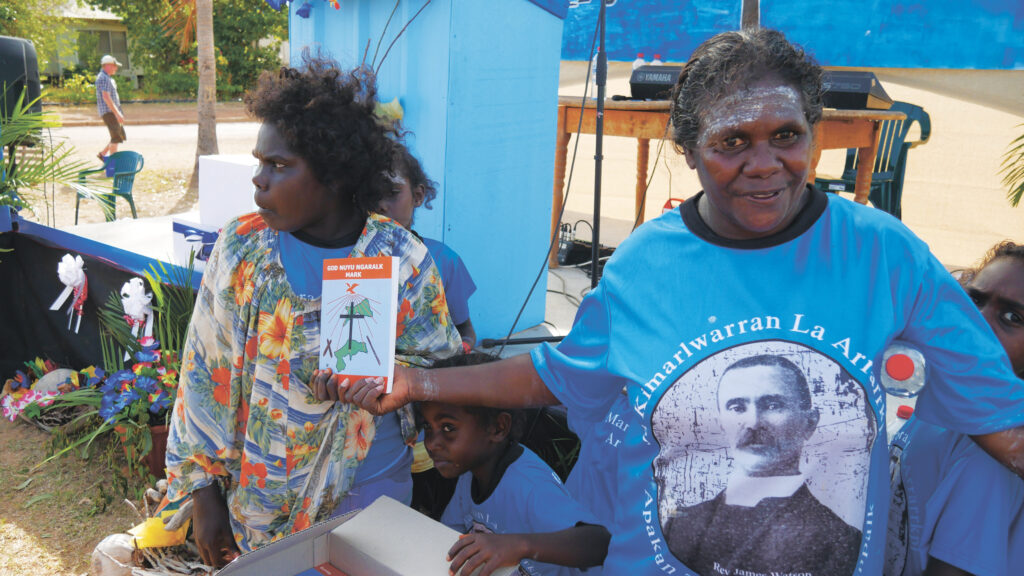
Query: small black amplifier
[[854, 91], [653, 82]]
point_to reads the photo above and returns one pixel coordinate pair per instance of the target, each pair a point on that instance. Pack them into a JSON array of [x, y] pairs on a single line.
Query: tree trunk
[[207, 142]]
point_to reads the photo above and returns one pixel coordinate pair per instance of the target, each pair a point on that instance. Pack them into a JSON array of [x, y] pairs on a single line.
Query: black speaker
[[19, 70], [653, 82], [854, 91]]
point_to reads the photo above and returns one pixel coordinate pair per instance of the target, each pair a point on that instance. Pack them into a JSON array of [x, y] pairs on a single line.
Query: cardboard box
[[225, 187], [191, 237], [386, 538]]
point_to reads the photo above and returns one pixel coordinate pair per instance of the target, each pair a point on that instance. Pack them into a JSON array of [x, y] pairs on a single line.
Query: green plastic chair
[[125, 166], [890, 162]]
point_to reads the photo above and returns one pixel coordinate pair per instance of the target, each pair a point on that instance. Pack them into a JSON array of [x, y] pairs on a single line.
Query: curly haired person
[[258, 454]]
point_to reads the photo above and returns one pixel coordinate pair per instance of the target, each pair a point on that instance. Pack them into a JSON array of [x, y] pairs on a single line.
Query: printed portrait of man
[[765, 519]]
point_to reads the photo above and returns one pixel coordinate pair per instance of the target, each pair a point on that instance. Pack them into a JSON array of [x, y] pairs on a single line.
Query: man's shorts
[[114, 127]]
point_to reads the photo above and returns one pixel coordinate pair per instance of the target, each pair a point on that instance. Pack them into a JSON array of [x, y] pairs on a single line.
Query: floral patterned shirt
[[244, 413]]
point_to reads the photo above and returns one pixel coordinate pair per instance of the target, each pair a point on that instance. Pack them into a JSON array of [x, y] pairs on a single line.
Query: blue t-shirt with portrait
[[592, 481], [458, 284], [953, 502], [528, 499], [679, 306]]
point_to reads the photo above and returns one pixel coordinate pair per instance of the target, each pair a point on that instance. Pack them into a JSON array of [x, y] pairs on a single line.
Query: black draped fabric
[[28, 286]]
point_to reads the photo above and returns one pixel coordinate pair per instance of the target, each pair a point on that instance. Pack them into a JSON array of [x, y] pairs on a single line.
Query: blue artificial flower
[[159, 401], [147, 383], [303, 11], [97, 379], [120, 380], [276, 4], [20, 381], [149, 351]]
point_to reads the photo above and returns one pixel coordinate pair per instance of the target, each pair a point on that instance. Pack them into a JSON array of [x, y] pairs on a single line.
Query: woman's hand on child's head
[[488, 552], [327, 386]]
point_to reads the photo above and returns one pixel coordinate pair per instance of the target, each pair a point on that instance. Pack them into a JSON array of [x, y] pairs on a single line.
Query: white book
[[358, 317]]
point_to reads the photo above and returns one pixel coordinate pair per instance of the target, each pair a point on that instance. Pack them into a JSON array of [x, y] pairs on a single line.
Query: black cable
[[565, 196]]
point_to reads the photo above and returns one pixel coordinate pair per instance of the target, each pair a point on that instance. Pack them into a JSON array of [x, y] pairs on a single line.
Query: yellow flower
[[242, 283], [276, 330]]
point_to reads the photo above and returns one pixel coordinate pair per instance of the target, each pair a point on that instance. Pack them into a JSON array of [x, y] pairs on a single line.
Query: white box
[[225, 187], [386, 538], [191, 237]]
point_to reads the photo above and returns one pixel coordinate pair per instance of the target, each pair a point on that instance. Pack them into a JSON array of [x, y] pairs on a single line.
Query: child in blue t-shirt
[[413, 189], [510, 505], [955, 510]]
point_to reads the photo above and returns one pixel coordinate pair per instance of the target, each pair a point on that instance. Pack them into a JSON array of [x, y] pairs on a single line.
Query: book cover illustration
[[359, 315]]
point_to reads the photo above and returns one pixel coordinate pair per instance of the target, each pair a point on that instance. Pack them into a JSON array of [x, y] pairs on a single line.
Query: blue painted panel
[[481, 103], [900, 34], [500, 155], [671, 28]]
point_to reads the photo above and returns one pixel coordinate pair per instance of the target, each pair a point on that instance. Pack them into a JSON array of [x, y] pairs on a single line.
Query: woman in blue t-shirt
[[757, 264]]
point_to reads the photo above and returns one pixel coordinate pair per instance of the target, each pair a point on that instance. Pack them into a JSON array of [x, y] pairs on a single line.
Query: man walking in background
[[109, 104]]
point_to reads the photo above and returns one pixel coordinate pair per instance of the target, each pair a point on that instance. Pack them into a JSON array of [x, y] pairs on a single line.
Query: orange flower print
[[404, 313], [309, 426], [438, 305], [284, 368], [209, 466], [242, 283], [276, 330], [301, 522], [222, 392], [301, 517], [257, 470], [250, 223], [361, 431], [251, 347], [242, 415], [276, 414]]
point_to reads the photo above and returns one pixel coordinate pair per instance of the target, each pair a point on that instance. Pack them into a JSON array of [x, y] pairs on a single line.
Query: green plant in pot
[[133, 398]]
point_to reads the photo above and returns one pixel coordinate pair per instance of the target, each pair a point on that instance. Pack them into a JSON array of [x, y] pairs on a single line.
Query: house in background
[[94, 33]]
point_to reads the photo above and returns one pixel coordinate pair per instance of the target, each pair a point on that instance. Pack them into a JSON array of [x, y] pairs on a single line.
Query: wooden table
[[649, 120]]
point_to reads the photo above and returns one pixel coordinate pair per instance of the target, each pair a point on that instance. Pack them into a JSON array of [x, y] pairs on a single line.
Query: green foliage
[[1012, 170], [49, 161], [239, 26], [75, 89], [41, 22]]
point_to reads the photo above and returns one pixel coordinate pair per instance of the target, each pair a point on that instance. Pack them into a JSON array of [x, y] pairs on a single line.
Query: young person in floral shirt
[[258, 454]]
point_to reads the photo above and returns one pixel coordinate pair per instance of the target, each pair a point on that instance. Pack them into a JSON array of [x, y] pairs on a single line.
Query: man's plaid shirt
[[104, 83]]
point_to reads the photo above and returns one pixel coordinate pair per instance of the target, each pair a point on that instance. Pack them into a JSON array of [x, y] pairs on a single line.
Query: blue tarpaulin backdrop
[[982, 34]]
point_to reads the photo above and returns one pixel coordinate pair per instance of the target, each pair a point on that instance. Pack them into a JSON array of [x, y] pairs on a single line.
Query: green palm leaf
[[1012, 170]]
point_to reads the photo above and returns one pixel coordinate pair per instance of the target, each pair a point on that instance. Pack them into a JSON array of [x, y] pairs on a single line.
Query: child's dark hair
[[409, 167], [1005, 249], [327, 117], [486, 415]]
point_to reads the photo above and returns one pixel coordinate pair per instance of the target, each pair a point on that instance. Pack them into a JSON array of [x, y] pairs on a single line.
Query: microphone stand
[[602, 77]]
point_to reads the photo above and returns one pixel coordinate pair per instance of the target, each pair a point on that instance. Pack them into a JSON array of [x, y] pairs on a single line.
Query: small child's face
[[403, 201], [455, 439], [998, 291]]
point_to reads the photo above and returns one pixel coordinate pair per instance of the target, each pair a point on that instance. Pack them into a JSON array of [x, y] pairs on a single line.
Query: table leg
[[561, 152], [643, 152], [865, 166]]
